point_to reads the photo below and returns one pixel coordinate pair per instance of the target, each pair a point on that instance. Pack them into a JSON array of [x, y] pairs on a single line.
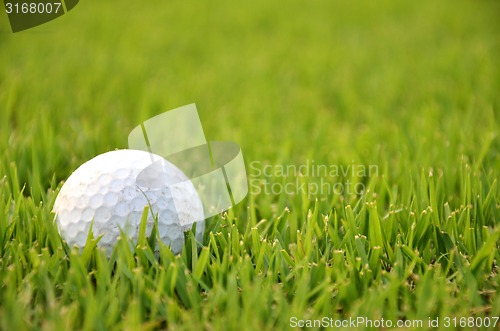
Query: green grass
[[411, 87]]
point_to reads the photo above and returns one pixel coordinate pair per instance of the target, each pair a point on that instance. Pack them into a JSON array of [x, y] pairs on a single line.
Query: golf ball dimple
[[112, 190]]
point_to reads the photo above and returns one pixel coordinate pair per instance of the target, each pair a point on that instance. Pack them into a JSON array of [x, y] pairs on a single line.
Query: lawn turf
[[409, 87]]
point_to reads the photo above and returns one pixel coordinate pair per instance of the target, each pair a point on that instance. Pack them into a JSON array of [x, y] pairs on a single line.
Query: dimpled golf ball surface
[[113, 189]]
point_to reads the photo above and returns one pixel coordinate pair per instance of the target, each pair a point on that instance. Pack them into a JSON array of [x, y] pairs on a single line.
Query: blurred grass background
[[397, 84], [342, 78], [412, 87]]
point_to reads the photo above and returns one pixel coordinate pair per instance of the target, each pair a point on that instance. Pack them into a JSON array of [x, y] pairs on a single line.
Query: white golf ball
[[112, 190]]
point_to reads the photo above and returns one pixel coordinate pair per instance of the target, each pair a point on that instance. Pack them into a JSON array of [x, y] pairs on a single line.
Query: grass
[[411, 87]]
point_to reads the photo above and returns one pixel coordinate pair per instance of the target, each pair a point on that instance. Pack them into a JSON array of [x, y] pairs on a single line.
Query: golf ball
[[112, 190]]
